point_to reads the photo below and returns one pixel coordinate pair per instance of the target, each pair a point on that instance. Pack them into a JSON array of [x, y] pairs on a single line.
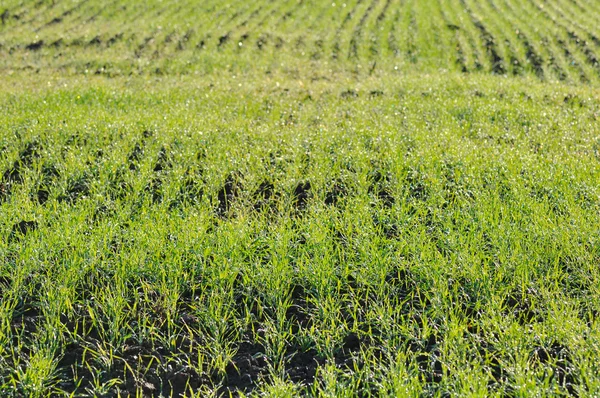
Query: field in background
[[283, 198], [552, 40]]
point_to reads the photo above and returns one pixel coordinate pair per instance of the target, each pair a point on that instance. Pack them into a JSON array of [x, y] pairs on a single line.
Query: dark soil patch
[[42, 195], [380, 183], [298, 313], [223, 39], [21, 229], [489, 43], [302, 367], [265, 196], [96, 41], [401, 281], [77, 189], [533, 58], [301, 195], [154, 189], [13, 175], [428, 359], [135, 156], [5, 190], [49, 175], [386, 226], [248, 366], [35, 46], [4, 16], [101, 212], [416, 185], [228, 193], [29, 153], [154, 377], [349, 94], [559, 358], [114, 39], [163, 162], [337, 191], [520, 305]]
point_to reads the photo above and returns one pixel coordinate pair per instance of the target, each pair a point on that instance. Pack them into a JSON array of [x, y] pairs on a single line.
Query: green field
[[300, 198]]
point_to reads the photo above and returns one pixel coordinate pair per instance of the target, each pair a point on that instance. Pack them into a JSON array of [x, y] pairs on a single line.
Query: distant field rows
[[553, 40]]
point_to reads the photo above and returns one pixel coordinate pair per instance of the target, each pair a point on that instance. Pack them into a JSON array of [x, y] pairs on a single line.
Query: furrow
[[552, 40], [358, 30], [460, 58], [544, 60], [336, 46], [582, 57], [392, 41], [578, 36], [381, 30], [497, 63]]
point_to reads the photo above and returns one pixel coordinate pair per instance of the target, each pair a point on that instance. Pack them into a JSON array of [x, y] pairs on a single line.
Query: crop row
[[492, 36]]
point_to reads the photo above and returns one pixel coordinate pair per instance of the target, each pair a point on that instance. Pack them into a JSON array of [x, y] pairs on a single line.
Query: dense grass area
[[386, 198]]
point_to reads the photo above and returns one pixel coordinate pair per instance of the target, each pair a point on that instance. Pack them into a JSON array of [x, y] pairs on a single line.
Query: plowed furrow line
[[20, 19], [562, 60], [214, 24], [337, 37], [13, 15], [433, 40], [358, 30], [382, 15], [238, 21], [85, 20], [392, 41], [574, 62], [482, 59], [268, 16], [576, 17], [588, 12], [578, 35], [555, 65], [250, 17], [504, 29], [513, 45], [164, 39], [66, 29], [59, 19], [577, 21], [470, 36], [254, 27], [318, 24], [176, 40], [38, 12], [459, 59], [489, 42], [534, 59], [380, 26], [246, 24], [290, 14], [411, 41], [582, 45]]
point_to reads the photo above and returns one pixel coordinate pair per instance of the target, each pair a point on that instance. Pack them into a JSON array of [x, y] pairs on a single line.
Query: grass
[[363, 214]]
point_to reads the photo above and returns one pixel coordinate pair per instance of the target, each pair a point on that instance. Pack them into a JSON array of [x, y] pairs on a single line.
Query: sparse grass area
[[364, 215]]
